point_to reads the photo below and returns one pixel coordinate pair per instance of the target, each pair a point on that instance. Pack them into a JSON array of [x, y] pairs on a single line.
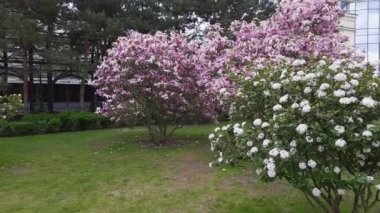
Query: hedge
[[43, 123]]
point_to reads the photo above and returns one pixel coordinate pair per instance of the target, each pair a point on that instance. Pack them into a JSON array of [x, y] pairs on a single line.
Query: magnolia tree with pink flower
[[165, 79], [161, 80], [299, 29]]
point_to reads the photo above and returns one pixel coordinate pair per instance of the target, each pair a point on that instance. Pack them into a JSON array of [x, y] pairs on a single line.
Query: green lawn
[[107, 171]]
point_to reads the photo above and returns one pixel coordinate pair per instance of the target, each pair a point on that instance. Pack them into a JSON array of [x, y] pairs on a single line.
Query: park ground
[[109, 171]]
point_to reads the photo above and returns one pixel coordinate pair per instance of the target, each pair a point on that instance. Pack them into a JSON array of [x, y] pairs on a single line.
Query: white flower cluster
[[238, 130], [369, 102], [339, 129], [340, 143], [301, 129], [9, 106], [305, 119]]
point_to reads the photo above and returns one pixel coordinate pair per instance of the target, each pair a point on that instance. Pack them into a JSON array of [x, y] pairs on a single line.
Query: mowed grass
[[107, 171]]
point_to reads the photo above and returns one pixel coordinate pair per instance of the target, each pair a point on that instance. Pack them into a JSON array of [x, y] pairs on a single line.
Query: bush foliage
[[10, 106], [50, 123], [310, 124]]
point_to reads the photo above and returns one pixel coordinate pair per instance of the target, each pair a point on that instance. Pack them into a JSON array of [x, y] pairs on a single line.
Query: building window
[[367, 36], [374, 4]]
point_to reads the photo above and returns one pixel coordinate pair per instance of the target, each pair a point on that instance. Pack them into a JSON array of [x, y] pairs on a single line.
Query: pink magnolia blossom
[[304, 29], [165, 75], [168, 77]]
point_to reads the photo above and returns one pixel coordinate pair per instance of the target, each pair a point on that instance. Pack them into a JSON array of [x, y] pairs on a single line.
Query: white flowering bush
[[9, 106], [310, 124]]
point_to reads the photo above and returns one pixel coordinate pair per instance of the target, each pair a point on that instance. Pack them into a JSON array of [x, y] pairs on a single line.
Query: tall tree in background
[[22, 32], [4, 50], [47, 12], [91, 32], [62, 38], [219, 11]]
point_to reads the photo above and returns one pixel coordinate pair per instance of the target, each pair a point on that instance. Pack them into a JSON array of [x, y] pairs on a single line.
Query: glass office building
[[367, 33]]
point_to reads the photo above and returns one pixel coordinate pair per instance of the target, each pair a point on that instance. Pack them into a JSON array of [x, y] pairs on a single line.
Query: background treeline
[[54, 39]]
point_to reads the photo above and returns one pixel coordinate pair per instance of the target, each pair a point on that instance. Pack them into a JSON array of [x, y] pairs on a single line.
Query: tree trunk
[[84, 75], [50, 91], [49, 75], [4, 82], [67, 95], [334, 209], [92, 89], [25, 86], [31, 82], [39, 92], [82, 94], [93, 100]]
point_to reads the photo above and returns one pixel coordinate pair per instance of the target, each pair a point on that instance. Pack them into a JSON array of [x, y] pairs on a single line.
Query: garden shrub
[[50, 123], [49, 126], [74, 121], [310, 123], [3, 124], [19, 128], [64, 117], [38, 117], [47, 123], [10, 106], [83, 121]]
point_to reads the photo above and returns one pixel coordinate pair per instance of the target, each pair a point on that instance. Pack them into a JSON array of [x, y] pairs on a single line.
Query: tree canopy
[[60, 38]]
